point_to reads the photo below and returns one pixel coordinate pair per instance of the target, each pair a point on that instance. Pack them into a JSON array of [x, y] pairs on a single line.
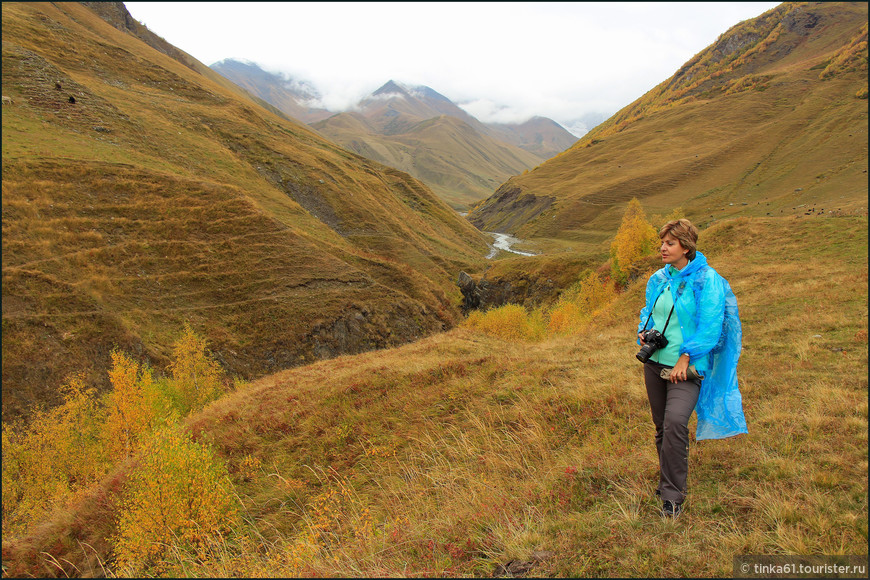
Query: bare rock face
[[116, 14], [361, 329], [509, 208], [473, 294], [485, 294]]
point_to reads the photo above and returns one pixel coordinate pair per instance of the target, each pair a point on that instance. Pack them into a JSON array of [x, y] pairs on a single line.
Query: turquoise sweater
[[668, 355]]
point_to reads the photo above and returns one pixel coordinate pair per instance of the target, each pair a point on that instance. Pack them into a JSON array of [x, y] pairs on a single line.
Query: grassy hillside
[[463, 454], [769, 120], [161, 196], [538, 135], [459, 163]]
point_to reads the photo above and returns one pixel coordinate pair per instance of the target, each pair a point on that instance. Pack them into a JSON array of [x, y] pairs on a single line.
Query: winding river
[[504, 242]]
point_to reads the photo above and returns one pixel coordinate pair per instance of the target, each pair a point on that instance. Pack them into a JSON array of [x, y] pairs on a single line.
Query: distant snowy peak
[[390, 89], [395, 89], [395, 107]]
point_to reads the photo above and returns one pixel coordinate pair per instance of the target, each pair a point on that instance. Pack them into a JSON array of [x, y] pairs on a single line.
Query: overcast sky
[[502, 62]]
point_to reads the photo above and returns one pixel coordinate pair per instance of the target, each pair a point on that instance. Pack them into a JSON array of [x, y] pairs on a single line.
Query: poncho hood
[[693, 267]]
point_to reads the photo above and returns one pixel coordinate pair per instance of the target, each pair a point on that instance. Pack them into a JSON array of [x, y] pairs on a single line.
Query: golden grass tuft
[[509, 322]]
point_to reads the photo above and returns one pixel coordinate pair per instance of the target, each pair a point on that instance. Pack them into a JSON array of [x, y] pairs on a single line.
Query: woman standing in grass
[[690, 339]]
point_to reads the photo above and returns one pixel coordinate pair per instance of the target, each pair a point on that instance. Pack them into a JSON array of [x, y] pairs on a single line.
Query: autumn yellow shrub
[[510, 322], [179, 496], [565, 317], [65, 450], [60, 453], [594, 293], [579, 302], [132, 405], [249, 467], [196, 379], [635, 240], [851, 57]]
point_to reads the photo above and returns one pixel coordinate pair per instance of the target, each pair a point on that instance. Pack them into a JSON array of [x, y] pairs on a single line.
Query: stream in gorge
[[504, 242]]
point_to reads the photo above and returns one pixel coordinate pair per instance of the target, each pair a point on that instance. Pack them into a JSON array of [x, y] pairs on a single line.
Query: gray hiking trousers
[[672, 405]]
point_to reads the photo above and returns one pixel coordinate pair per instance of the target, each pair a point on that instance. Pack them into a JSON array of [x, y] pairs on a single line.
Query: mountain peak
[[419, 92], [391, 87]]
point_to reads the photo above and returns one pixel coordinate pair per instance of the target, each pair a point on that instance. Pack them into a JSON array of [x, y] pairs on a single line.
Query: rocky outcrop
[[361, 329], [485, 294], [472, 293], [508, 209], [116, 14]]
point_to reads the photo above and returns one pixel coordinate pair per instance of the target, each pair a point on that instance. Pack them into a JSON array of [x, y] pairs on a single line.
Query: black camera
[[653, 340]]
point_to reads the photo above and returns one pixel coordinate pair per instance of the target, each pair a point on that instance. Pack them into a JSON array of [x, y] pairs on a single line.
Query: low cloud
[[385, 96], [487, 111], [575, 58]]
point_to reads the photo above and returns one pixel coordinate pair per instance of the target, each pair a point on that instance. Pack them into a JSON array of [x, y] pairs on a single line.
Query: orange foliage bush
[[67, 449], [851, 57], [579, 302], [60, 454], [565, 317], [196, 379], [131, 412], [635, 240], [594, 294], [179, 495]]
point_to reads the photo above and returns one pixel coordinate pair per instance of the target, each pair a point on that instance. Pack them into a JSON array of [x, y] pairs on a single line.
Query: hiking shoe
[[671, 509]]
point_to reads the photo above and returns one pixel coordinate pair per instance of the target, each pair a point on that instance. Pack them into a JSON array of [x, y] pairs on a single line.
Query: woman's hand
[[678, 373], [640, 338]]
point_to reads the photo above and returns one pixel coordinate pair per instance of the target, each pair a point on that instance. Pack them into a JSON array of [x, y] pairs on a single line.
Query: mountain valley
[[370, 422], [416, 130], [162, 195]]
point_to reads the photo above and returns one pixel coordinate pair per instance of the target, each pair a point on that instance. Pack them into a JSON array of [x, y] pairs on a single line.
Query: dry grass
[[448, 456], [162, 196], [463, 451]]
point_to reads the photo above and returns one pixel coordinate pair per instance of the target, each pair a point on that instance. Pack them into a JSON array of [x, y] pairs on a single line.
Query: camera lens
[[645, 352]]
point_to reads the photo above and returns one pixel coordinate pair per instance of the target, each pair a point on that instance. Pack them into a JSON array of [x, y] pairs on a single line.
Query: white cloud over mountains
[[503, 62]]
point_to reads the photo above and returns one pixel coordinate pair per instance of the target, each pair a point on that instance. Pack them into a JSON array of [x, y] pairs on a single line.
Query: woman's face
[[673, 252]]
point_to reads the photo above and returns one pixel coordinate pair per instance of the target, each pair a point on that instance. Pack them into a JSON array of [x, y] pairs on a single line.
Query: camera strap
[[651, 310]]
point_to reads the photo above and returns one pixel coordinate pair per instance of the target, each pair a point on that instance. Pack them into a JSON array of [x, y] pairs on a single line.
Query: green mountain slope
[[162, 195], [769, 120]]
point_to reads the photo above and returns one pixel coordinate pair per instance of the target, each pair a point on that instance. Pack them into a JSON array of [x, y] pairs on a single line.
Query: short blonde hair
[[685, 232]]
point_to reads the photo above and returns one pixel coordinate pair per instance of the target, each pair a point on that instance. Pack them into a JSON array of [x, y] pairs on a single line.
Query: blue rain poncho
[[706, 309]]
